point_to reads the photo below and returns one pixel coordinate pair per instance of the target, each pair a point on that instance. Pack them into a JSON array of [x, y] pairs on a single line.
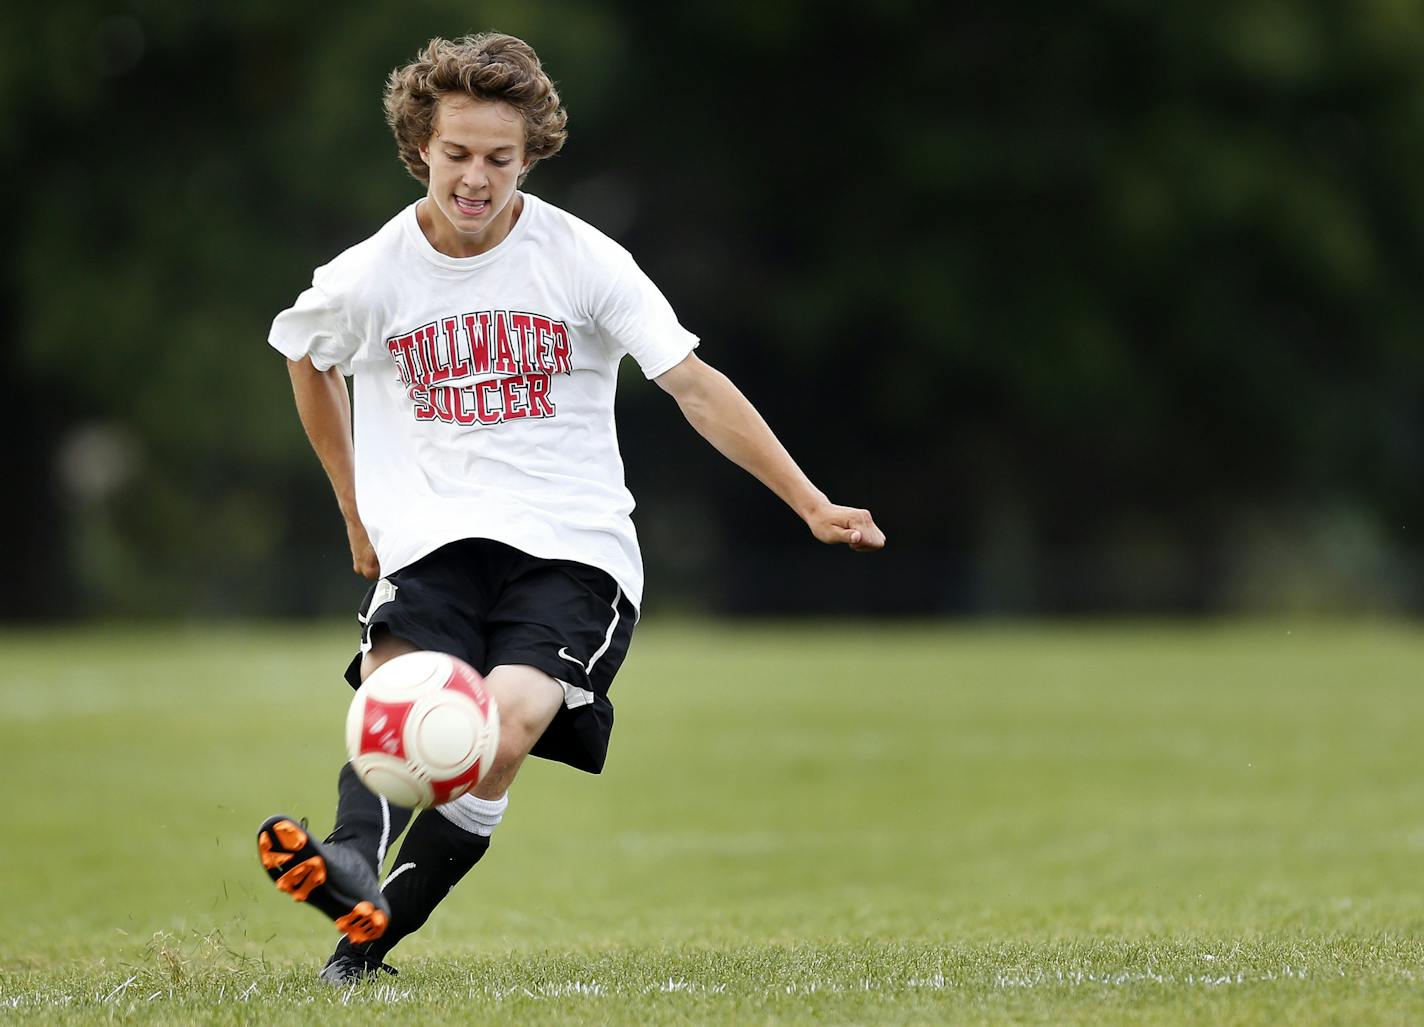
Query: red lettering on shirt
[[513, 355]]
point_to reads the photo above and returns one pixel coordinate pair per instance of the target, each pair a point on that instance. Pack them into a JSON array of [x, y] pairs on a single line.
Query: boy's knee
[[528, 699]]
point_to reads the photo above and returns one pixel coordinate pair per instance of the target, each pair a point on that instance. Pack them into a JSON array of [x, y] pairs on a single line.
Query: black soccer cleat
[[332, 878], [347, 968]]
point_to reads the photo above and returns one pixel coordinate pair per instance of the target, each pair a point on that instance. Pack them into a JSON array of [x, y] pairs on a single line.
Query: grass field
[[841, 824]]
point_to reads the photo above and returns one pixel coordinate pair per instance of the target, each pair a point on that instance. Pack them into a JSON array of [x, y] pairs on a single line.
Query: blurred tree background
[[1099, 308]]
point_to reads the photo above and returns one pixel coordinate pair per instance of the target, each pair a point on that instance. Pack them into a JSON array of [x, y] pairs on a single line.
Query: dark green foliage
[[1096, 307]]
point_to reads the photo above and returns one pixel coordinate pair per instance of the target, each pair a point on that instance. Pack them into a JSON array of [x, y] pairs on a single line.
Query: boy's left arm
[[727, 419]]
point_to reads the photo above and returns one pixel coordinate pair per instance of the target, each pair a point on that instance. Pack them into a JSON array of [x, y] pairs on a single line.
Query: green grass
[[848, 824]]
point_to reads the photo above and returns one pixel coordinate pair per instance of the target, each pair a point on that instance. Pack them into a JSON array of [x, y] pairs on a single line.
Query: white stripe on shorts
[[608, 637]]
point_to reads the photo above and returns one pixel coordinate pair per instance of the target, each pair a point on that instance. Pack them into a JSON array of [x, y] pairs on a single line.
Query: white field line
[[936, 981], [386, 994], [120, 989], [1079, 978]]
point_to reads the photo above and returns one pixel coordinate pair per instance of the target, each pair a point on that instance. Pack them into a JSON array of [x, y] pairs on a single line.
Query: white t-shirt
[[484, 385]]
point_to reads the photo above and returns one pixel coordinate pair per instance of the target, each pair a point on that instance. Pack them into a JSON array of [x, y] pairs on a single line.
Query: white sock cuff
[[478, 816]]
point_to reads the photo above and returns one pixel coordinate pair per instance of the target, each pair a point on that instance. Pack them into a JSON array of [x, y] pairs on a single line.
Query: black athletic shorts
[[492, 605]]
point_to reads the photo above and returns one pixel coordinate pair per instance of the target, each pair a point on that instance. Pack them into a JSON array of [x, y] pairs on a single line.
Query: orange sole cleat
[[364, 923], [329, 877], [300, 881]]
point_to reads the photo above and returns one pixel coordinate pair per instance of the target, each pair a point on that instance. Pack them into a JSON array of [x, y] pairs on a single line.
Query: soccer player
[[482, 329]]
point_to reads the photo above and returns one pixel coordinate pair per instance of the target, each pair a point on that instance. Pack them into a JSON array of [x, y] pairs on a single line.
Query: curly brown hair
[[490, 66]]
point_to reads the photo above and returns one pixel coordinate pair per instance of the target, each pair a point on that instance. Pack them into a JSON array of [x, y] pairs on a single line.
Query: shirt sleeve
[[315, 326], [636, 316]]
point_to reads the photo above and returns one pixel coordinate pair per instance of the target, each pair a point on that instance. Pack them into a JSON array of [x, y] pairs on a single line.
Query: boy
[[482, 329]]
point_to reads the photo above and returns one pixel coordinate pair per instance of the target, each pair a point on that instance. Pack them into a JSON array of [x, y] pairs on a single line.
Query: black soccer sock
[[432, 859], [364, 820]]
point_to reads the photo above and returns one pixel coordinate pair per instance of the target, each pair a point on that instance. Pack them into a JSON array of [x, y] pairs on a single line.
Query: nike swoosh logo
[[564, 654]]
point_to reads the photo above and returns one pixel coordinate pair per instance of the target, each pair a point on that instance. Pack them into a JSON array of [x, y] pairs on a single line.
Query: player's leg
[[364, 820], [340, 876], [444, 843], [527, 698]]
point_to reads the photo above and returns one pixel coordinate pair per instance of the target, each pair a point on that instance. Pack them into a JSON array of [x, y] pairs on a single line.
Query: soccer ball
[[422, 730]]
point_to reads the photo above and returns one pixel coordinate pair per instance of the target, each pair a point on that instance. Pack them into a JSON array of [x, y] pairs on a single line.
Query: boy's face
[[475, 156]]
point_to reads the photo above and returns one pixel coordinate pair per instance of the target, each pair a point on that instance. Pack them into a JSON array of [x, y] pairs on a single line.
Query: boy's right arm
[[325, 409]]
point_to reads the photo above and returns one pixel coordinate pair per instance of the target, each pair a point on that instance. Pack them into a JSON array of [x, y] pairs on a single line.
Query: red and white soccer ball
[[422, 730]]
